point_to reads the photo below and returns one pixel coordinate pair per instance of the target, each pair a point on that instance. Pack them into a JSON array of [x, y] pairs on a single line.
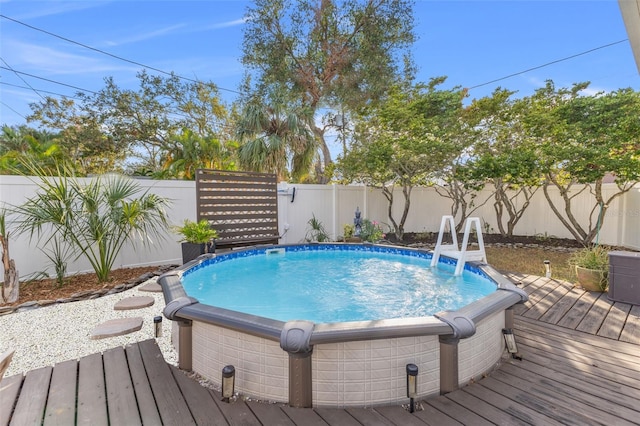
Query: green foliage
[[329, 56], [593, 257], [196, 232], [316, 231], [277, 139], [404, 141], [348, 230], [371, 231], [93, 218]]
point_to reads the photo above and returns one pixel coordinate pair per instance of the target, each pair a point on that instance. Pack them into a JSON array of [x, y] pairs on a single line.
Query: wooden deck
[[577, 369]]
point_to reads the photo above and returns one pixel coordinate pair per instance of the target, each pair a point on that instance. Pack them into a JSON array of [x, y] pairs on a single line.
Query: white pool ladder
[[453, 250]]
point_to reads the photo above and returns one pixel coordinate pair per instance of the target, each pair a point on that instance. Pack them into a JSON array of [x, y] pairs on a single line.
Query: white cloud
[[57, 8], [47, 60], [146, 36], [228, 24]]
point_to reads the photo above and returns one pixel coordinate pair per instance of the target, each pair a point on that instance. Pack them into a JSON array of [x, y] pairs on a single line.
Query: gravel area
[[51, 334]]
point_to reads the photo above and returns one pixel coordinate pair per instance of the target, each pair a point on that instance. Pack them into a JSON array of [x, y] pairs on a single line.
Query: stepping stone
[[152, 287], [116, 327], [135, 302]]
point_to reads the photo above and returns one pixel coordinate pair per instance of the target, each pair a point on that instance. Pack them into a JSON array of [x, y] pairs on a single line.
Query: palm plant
[[94, 218], [273, 138]]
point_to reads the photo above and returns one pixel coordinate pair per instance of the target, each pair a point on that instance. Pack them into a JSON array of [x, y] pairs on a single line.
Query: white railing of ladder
[[453, 250]]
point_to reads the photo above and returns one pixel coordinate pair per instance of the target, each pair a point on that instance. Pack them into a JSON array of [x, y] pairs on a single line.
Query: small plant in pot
[[591, 267], [197, 239]]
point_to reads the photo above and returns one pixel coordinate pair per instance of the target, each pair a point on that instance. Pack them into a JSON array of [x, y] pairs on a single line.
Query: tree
[[506, 155], [276, 139], [190, 152], [92, 219], [404, 141], [79, 138], [113, 125], [22, 142], [328, 55], [10, 287], [583, 140]]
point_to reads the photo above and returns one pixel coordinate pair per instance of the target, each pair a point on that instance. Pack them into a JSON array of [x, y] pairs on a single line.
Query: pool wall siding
[[351, 363]]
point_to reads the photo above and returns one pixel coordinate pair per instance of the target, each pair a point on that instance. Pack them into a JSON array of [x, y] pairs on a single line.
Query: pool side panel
[[481, 352], [262, 367], [369, 373]]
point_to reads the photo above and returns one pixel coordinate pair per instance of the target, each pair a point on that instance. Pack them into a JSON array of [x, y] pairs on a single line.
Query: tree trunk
[[10, 289]]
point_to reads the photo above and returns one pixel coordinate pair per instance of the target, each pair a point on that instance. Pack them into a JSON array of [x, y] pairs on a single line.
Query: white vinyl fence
[[334, 206]]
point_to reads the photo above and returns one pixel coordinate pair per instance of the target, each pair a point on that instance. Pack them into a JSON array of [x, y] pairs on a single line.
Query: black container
[[624, 277]]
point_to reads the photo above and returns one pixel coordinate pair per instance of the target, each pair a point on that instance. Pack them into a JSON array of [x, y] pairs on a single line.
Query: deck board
[[171, 404], [457, 411], [484, 409], [368, 417], [435, 417], [9, 391], [29, 409], [631, 330], [92, 398], [595, 317], [237, 412], [61, 404], [614, 321], [121, 398], [267, 414], [144, 396], [203, 409]]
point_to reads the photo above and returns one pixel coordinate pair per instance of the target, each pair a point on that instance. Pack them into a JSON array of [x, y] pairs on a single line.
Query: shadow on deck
[[576, 370]]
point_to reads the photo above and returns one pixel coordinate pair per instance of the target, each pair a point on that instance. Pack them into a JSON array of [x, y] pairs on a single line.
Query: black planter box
[[191, 251]]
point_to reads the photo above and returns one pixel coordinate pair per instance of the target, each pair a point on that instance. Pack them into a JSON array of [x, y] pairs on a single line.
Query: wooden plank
[[581, 340], [631, 331], [484, 409], [579, 310], [614, 321], [458, 412], [582, 366], [169, 400], [146, 402], [562, 306], [121, 398], [547, 302], [61, 404], [203, 409], [399, 416], [582, 400], [434, 417], [534, 402], [92, 397], [608, 390], [536, 292], [509, 406], [368, 416], [9, 390], [269, 414], [236, 412], [32, 400], [338, 417], [596, 315]]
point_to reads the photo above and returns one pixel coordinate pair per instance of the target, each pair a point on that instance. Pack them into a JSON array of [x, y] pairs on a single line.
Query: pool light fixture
[[157, 325], [412, 385], [510, 340], [228, 382]]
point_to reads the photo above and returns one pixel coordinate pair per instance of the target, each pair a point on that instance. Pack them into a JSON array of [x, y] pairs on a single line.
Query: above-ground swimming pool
[[336, 324]]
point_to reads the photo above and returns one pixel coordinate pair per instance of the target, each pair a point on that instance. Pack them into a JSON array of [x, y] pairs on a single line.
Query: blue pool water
[[327, 286]]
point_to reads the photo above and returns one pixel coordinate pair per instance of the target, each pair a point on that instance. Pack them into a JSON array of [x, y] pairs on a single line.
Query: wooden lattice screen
[[241, 206]]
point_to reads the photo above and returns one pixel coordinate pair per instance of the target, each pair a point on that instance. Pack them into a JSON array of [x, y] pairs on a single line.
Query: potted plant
[[592, 267], [197, 239]]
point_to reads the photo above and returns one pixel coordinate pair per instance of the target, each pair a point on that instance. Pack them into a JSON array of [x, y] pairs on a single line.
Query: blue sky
[[471, 42]]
